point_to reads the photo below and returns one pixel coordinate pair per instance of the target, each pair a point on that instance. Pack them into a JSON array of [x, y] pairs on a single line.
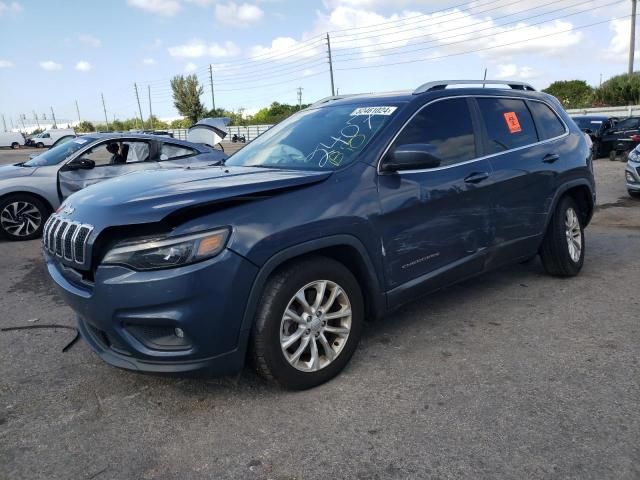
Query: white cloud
[[167, 8], [89, 40], [50, 65], [190, 67], [514, 72], [202, 3], [13, 7], [83, 66], [284, 48], [148, 61], [618, 49], [198, 48], [238, 15], [6, 64]]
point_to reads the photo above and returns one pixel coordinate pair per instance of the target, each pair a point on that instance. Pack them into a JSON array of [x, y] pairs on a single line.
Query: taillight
[[635, 138]]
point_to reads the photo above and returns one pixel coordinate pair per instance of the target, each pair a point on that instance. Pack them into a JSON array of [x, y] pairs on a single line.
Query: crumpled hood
[[15, 171], [145, 197]]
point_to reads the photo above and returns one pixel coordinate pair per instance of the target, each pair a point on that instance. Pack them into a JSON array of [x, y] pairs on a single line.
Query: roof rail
[[442, 84]]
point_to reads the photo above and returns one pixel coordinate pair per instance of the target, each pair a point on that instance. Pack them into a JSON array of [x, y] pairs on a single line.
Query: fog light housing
[[160, 337], [630, 178]]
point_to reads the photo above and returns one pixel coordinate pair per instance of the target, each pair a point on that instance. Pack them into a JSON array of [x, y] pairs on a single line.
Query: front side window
[[58, 153], [548, 123], [118, 153], [627, 124], [325, 138], [445, 124], [508, 123], [169, 151]]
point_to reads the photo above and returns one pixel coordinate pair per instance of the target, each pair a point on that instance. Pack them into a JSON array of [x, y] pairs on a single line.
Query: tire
[[612, 155], [634, 194], [558, 258], [273, 326], [15, 145], [22, 217], [597, 149], [39, 145]]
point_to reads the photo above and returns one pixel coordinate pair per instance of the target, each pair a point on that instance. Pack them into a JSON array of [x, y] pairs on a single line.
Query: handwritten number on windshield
[[350, 139]]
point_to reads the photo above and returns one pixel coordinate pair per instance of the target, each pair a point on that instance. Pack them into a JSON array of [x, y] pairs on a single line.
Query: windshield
[[627, 123], [321, 139], [57, 154]]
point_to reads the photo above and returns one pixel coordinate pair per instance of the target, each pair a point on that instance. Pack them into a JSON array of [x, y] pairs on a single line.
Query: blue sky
[[52, 54]]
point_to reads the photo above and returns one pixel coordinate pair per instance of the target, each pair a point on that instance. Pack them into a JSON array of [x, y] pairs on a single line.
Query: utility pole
[[600, 79], [484, 79], [12, 125], [632, 40], [150, 111], [300, 97], [135, 86], [22, 119], [4, 123], [104, 108], [35, 115], [53, 115], [333, 90], [213, 98], [78, 112]]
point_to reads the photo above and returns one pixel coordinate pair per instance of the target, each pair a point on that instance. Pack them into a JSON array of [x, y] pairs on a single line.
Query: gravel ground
[[510, 375]]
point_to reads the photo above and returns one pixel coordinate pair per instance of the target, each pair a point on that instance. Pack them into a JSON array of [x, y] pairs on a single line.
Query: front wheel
[[39, 145], [22, 217], [634, 193], [15, 145], [308, 323], [563, 246]]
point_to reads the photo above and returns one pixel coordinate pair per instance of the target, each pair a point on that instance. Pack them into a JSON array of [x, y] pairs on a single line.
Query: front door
[[112, 158], [435, 223]]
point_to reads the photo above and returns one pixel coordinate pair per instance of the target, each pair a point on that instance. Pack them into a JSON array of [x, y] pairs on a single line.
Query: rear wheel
[[563, 246], [612, 155], [308, 323], [15, 145], [22, 217]]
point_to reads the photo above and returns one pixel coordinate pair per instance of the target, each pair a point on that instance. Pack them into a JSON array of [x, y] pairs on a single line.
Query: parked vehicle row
[[11, 139], [346, 210]]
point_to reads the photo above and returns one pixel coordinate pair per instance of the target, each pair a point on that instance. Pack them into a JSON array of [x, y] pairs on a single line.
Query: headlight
[[153, 254]]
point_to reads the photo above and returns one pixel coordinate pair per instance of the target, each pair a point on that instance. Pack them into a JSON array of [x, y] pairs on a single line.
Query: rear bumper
[[165, 321]]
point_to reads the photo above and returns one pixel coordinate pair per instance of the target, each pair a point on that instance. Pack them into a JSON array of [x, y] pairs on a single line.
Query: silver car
[[32, 190], [632, 172]]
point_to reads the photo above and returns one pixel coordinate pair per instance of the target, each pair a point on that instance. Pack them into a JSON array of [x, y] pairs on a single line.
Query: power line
[[480, 23], [418, 60], [475, 38]]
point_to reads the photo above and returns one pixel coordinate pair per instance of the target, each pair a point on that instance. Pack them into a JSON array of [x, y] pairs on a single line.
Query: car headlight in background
[[154, 254]]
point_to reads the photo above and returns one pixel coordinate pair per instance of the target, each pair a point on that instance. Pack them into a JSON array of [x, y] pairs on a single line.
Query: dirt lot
[[510, 375]]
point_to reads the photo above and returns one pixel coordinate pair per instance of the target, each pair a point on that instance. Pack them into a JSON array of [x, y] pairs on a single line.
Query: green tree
[[619, 90], [85, 126], [186, 96], [181, 123], [571, 93]]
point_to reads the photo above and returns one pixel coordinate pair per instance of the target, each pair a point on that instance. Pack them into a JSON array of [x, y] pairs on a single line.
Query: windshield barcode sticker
[[373, 111]]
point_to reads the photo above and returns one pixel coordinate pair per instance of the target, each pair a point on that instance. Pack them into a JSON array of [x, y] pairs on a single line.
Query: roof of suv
[[438, 89]]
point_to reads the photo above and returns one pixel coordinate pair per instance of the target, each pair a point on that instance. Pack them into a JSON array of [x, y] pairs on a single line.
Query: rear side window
[[508, 122], [548, 123], [447, 126], [169, 151]]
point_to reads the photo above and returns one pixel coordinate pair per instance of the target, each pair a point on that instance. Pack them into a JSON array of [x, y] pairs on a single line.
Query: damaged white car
[[30, 191]]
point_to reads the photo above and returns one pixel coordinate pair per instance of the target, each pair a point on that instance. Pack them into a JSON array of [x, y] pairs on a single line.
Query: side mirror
[[80, 164], [411, 156]]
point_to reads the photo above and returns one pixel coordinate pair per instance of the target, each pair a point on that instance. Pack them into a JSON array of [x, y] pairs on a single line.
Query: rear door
[[136, 154], [435, 223], [525, 162]]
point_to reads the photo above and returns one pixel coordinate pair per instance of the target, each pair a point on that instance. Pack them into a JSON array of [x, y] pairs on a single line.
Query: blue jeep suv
[[344, 211]]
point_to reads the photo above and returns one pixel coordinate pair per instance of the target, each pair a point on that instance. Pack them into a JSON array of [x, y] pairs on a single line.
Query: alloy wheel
[[20, 219], [573, 234], [315, 326]]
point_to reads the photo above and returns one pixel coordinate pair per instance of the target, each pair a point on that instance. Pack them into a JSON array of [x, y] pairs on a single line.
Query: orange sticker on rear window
[[512, 122]]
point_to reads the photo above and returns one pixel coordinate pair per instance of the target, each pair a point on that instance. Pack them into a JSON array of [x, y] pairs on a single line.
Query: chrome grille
[[66, 239]]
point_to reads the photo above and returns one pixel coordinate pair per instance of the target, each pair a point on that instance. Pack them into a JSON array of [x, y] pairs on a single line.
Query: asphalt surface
[[511, 375]]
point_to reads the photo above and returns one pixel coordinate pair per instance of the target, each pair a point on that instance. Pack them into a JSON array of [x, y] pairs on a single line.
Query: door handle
[[476, 177], [550, 157]]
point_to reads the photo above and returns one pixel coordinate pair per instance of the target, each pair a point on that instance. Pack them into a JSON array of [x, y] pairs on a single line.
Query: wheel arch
[[32, 194], [581, 191], [345, 249]]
